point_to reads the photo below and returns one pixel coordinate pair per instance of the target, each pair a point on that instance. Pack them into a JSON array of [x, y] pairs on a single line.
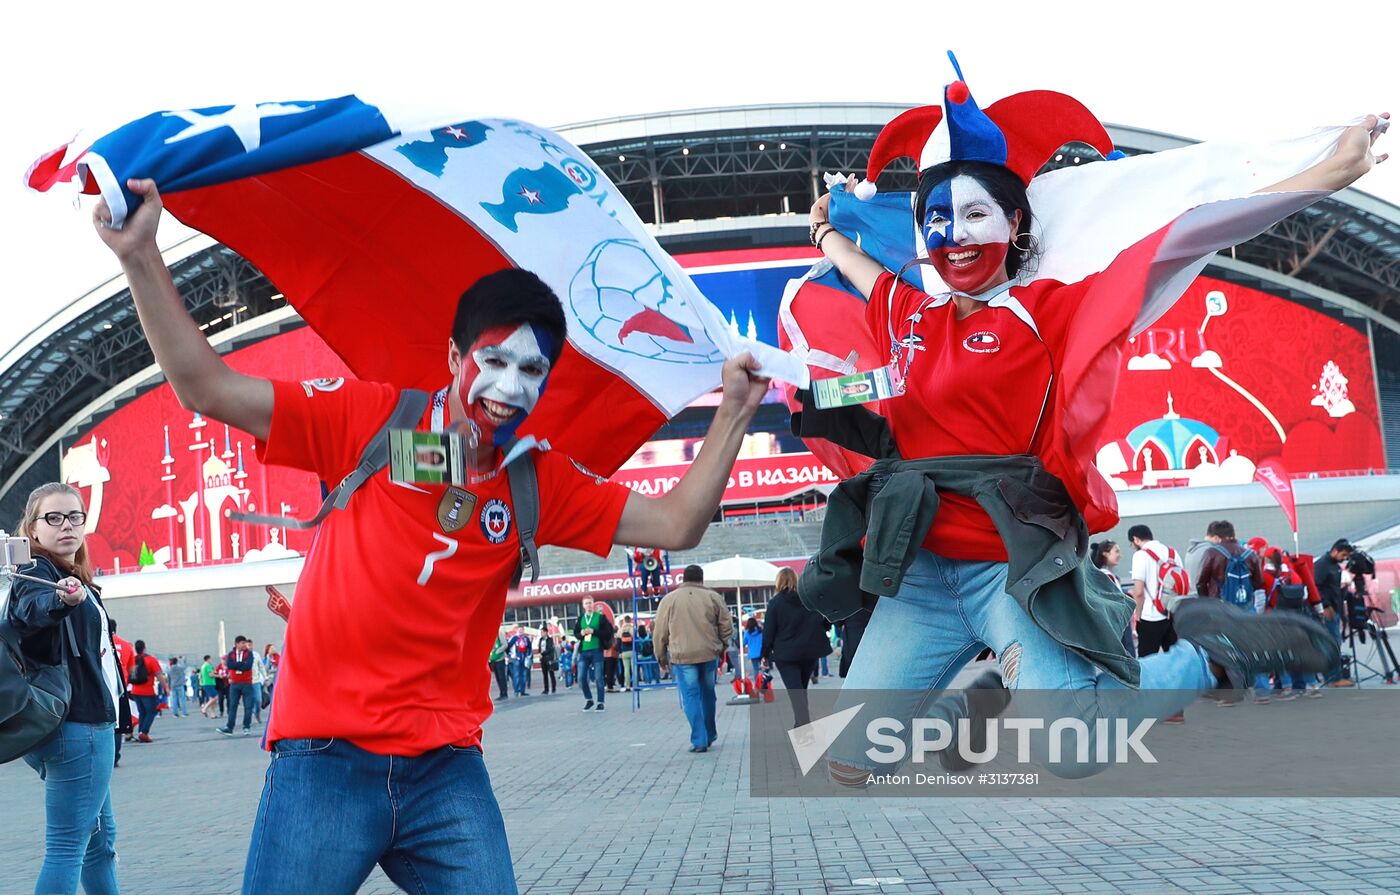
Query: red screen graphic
[[176, 512], [1231, 377]]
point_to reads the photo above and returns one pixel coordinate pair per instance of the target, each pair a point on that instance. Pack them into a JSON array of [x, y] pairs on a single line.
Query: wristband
[[814, 229], [829, 231]]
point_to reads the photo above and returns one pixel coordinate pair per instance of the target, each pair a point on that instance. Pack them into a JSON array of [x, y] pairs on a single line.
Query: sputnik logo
[[810, 741]]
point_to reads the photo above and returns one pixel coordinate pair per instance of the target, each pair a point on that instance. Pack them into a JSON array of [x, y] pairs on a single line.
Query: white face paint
[[962, 212], [512, 371]]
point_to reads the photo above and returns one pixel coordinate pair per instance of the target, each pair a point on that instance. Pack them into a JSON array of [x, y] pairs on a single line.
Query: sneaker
[[1288, 696], [600, 707], [247, 732], [699, 748], [1245, 645], [986, 697], [1261, 700], [1344, 682], [1178, 718], [588, 706], [225, 731], [144, 738], [1314, 693]]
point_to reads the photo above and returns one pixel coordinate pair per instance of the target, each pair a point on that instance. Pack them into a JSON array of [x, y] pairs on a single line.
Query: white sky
[[1201, 70]]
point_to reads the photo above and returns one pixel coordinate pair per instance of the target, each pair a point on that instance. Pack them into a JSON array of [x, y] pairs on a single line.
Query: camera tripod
[[1359, 623]]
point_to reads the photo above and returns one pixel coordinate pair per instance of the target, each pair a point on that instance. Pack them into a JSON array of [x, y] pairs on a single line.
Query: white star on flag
[[245, 120], [531, 196], [455, 132]]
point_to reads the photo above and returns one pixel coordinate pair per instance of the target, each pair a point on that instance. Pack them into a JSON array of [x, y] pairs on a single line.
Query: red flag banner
[[1276, 479]]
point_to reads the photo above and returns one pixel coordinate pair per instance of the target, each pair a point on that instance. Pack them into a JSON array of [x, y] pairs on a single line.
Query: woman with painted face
[[76, 762], [1001, 329]]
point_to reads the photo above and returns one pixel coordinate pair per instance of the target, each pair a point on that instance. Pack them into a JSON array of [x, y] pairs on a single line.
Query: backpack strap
[[525, 498], [406, 414]]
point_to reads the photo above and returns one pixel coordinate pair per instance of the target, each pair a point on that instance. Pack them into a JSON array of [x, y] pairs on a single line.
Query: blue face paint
[[938, 217]]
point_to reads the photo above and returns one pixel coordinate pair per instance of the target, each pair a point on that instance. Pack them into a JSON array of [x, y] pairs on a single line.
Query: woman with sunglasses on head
[[1000, 370], [76, 762]]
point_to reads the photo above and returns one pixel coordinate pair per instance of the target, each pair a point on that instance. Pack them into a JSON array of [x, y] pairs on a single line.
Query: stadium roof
[[704, 179]]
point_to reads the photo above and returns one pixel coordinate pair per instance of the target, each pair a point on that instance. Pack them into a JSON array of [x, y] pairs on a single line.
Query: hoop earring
[[1032, 246]]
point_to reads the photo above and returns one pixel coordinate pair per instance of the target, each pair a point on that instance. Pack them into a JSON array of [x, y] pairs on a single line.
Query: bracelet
[[830, 231], [814, 229]]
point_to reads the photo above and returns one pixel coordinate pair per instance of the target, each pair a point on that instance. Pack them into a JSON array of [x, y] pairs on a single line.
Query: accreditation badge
[[455, 509], [857, 388]]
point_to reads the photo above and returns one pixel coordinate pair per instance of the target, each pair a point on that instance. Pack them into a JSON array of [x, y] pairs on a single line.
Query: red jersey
[[126, 655], [396, 611], [977, 385], [153, 671]]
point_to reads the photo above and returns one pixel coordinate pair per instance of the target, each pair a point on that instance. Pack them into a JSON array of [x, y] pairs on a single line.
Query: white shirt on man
[[1145, 570]]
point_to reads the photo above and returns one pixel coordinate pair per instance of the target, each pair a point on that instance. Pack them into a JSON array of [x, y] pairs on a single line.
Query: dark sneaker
[[225, 731], [1246, 645], [599, 708], [699, 748], [984, 698], [588, 706]]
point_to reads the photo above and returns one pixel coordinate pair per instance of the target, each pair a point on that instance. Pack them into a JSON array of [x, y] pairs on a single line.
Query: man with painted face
[[388, 769], [982, 417]]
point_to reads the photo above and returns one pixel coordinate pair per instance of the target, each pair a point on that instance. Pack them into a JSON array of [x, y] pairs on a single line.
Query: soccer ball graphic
[[627, 304]]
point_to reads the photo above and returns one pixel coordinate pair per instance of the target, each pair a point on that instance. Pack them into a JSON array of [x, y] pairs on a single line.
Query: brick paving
[[672, 822]]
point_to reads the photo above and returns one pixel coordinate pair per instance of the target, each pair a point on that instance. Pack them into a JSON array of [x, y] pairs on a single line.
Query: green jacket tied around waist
[[891, 506]]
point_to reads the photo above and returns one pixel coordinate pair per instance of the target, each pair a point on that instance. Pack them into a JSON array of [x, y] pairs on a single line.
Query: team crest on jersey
[[322, 385], [495, 520], [983, 342], [455, 509], [588, 472]]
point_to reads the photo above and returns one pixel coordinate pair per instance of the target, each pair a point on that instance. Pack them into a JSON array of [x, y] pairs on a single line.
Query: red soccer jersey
[[979, 385], [394, 615]]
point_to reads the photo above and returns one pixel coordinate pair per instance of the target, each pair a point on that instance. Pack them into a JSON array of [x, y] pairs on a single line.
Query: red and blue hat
[[1020, 132]]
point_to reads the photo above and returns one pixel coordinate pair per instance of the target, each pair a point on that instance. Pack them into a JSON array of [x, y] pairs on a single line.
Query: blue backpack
[[1238, 588]]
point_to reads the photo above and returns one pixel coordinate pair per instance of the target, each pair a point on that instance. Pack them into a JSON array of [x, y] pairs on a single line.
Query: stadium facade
[[1304, 365]]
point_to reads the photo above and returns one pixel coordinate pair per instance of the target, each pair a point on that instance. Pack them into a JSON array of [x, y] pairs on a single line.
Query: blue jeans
[[146, 706], [235, 693], [826, 670], [517, 676], [80, 836], [1335, 627], [330, 811], [590, 668], [177, 700], [696, 684], [648, 671], [947, 611]]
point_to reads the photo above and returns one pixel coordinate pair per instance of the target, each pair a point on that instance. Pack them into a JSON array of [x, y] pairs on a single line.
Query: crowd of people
[[1252, 575]]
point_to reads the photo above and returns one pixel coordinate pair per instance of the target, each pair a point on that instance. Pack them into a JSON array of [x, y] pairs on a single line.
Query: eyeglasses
[[77, 517]]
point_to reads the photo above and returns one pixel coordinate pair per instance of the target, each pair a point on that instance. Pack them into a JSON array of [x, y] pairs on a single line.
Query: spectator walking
[[795, 640], [208, 692], [521, 654], [1327, 573], [690, 632], [647, 672], [753, 644], [497, 661], [1232, 573], [125, 656], [1154, 564], [549, 661], [1106, 555], [271, 660], [145, 672], [731, 652], [566, 661], [179, 674], [259, 687], [627, 670], [612, 665], [76, 762], [1288, 591], [594, 632], [240, 678], [221, 684]]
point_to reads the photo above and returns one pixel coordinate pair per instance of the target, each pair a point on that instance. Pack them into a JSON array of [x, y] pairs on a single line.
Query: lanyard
[[439, 405]]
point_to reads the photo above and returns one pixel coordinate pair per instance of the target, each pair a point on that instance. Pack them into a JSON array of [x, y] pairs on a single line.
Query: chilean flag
[[372, 219]]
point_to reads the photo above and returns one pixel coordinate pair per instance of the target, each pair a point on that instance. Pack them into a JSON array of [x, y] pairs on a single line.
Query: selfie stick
[[8, 566]]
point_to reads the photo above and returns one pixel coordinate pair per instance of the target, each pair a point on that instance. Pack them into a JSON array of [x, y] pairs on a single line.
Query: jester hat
[[1020, 132]]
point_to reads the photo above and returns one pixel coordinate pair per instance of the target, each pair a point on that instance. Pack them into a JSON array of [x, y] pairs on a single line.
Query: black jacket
[[792, 632], [38, 615], [1328, 574], [605, 630]]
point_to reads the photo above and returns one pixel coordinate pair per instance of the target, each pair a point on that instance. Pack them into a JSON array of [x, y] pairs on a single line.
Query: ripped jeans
[[946, 612]]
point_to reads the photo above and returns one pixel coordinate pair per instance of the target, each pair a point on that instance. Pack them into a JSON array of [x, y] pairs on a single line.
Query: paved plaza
[[666, 821]]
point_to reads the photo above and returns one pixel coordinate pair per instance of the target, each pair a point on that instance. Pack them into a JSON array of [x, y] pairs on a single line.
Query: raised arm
[[677, 520], [1354, 156], [201, 380], [854, 264]]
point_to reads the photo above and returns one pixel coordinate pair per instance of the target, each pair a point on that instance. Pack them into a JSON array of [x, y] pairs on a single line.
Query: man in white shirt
[[1154, 627]]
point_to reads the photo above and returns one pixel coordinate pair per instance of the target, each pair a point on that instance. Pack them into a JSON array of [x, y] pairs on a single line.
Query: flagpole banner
[[373, 219], [1274, 477]]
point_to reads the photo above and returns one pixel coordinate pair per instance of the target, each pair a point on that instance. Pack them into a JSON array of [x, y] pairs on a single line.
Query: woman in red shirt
[[992, 362]]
